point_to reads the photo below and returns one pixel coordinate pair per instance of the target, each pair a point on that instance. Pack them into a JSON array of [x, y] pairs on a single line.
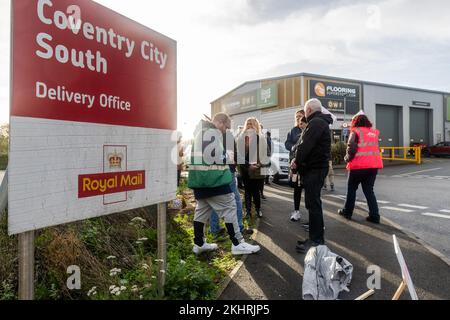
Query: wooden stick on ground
[[366, 295], [400, 290]]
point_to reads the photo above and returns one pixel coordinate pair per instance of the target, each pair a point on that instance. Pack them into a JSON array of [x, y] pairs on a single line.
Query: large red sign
[[79, 61]]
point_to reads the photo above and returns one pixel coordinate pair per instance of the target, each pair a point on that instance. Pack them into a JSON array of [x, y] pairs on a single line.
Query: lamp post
[[345, 108]]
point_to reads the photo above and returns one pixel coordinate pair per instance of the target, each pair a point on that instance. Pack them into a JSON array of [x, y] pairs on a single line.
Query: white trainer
[[295, 216], [206, 247], [244, 248]]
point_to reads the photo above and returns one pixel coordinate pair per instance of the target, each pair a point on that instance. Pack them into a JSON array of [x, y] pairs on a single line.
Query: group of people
[[217, 155], [214, 182]]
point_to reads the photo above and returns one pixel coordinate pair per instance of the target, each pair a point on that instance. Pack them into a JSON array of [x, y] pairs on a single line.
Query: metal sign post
[[162, 247], [4, 193], [345, 108], [26, 266]]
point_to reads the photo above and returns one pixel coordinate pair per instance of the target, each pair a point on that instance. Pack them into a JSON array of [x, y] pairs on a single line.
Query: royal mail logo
[[115, 160], [91, 185]]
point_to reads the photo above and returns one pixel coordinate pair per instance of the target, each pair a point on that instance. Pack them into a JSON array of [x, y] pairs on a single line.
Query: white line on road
[[409, 173], [397, 209], [336, 196], [361, 203], [445, 211], [411, 206], [435, 215]]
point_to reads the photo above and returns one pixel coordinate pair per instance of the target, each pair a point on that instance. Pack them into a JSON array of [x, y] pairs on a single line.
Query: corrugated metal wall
[[281, 121], [239, 119]]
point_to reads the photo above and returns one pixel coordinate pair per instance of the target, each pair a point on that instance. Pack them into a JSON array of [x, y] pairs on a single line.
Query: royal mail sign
[[91, 185], [93, 111]]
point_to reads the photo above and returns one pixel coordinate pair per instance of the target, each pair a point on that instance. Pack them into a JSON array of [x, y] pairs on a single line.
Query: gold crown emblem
[[115, 160]]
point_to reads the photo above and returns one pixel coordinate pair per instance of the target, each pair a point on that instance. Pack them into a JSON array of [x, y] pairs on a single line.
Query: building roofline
[[305, 74]]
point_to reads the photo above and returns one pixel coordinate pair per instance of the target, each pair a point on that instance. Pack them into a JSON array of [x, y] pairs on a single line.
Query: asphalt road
[[416, 197]]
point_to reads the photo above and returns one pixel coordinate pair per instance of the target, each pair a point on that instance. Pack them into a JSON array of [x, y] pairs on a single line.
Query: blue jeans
[[214, 222]]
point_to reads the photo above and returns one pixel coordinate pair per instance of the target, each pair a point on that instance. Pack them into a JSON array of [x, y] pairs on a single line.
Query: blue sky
[[223, 43]]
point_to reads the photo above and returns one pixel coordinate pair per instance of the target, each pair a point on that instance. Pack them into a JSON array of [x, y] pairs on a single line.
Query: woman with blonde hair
[[252, 159]]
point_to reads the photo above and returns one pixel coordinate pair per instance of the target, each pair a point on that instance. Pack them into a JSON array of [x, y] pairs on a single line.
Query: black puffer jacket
[[314, 148]]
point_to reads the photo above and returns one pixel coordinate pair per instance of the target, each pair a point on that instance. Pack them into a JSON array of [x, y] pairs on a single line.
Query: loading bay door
[[388, 122], [420, 125]]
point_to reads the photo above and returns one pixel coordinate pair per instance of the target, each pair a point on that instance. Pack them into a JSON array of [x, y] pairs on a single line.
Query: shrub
[[338, 151], [8, 262], [3, 161], [188, 279]]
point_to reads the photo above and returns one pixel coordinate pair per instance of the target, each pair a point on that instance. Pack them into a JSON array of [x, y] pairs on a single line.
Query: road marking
[[361, 203], [411, 206], [445, 211], [357, 202], [336, 196], [397, 209], [435, 215], [409, 173]]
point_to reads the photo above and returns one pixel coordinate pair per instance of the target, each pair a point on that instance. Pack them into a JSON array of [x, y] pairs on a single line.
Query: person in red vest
[[363, 161]]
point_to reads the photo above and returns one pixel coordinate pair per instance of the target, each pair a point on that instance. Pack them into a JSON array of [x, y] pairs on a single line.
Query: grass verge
[[117, 258]]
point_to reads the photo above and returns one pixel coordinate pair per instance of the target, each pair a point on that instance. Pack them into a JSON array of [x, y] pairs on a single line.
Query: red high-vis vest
[[368, 155]]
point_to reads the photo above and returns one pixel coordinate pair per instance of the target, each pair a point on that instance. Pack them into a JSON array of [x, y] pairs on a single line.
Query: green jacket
[[208, 169]]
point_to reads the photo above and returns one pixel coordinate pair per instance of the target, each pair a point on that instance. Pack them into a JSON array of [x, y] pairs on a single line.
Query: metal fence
[[411, 154]]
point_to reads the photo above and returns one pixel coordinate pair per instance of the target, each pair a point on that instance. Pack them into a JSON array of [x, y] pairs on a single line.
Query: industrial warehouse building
[[404, 115]]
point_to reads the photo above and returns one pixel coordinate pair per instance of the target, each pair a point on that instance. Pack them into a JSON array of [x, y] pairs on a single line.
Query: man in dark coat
[[312, 161]]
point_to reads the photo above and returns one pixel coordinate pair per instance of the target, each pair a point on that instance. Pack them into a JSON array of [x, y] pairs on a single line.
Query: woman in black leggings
[[295, 178]]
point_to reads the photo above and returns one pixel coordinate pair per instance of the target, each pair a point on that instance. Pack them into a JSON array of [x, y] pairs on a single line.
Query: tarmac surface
[[275, 273]]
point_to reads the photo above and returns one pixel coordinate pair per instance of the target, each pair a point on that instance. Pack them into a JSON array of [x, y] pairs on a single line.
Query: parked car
[[438, 150], [279, 168], [423, 149]]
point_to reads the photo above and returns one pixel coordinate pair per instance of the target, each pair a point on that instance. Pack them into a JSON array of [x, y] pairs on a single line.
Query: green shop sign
[[265, 97]]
